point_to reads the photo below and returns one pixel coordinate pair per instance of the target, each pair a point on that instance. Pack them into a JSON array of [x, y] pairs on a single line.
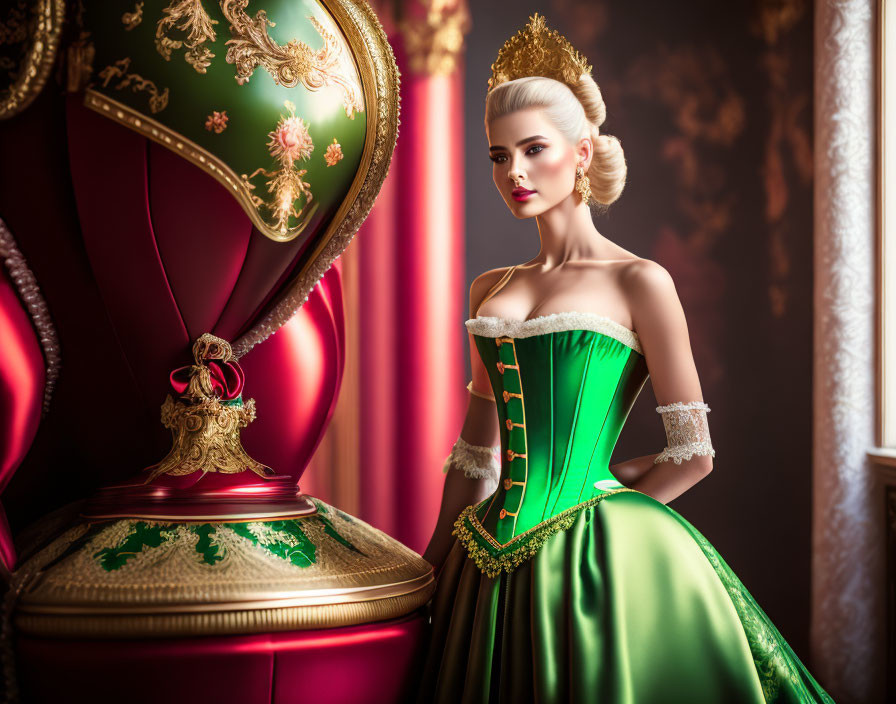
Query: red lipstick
[[522, 194]]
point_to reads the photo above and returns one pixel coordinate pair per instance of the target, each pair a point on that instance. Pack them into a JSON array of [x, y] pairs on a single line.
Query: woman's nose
[[516, 175]]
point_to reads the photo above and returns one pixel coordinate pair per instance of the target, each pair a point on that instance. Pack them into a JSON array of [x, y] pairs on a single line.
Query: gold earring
[[583, 185]]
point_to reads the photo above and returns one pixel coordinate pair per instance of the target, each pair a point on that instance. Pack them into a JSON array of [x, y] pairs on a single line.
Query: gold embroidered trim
[[507, 560]]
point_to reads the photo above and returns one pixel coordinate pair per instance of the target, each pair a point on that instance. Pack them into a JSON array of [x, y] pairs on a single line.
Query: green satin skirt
[[630, 605]]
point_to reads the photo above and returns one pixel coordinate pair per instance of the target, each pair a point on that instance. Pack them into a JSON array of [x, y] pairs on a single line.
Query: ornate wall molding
[[847, 584]]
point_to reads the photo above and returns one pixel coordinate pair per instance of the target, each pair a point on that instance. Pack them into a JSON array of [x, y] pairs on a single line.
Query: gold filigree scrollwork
[[157, 101], [206, 432], [251, 46], [132, 19], [289, 141], [435, 40], [40, 53], [194, 20]]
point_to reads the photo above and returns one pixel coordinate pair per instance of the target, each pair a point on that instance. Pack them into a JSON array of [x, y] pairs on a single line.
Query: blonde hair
[[576, 111]]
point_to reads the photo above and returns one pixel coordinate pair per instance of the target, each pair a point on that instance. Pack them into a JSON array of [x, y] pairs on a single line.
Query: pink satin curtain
[[403, 396]]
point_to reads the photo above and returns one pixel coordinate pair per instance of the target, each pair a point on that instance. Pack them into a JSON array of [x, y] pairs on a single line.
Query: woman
[[569, 580]]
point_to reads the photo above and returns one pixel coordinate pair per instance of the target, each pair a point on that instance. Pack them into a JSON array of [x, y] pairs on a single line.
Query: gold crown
[[538, 51]]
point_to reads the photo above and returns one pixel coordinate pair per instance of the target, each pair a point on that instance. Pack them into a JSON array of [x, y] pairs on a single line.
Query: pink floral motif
[[334, 153], [217, 121], [290, 140]]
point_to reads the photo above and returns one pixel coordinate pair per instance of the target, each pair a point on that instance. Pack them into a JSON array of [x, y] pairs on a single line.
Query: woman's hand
[[460, 492]]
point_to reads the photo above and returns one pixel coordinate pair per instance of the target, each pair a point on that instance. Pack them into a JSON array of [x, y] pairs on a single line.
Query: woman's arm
[[662, 329], [631, 470], [480, 429]]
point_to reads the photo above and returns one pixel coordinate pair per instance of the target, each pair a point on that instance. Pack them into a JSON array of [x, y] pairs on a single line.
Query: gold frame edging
[[39, 59], [238, 620]]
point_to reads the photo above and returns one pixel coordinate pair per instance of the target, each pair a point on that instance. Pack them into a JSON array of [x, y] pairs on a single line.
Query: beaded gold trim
[[26, 285], [523, 546]]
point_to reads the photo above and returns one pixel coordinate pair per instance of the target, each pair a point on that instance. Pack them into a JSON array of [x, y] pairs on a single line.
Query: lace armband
[[476, 461], [687, 431]]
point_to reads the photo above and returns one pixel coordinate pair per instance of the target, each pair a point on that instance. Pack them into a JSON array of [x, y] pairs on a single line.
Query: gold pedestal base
[[142, 578]]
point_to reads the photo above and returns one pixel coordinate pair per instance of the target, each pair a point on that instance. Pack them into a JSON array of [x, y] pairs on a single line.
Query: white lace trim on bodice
[[555, 322]]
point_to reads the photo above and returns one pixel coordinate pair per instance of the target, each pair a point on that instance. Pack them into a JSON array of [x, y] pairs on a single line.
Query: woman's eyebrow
[[520, 143]]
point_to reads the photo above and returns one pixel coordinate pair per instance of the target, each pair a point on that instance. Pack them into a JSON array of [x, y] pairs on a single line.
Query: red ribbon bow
[[227, 379]]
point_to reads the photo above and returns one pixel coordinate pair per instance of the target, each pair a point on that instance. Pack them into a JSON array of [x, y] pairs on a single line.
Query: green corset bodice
[[564, 386]]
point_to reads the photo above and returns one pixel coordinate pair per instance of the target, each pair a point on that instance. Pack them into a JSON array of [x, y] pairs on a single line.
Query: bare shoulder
[[482, 284], [646, 281], [656, 310]]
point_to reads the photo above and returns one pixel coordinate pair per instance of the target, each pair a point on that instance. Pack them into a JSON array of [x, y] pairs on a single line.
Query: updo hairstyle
[[576, 112]]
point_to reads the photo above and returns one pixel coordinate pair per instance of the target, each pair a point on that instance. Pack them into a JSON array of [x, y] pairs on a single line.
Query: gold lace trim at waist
[[495, 557]]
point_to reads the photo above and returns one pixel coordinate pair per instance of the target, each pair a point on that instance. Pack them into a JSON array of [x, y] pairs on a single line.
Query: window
[[887, 228]]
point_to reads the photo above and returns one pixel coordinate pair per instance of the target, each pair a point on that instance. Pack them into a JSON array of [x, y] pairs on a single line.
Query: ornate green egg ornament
[[274, 101]]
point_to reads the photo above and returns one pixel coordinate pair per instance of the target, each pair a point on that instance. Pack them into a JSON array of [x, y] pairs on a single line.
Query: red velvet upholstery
[[165, 281], [355, 665]]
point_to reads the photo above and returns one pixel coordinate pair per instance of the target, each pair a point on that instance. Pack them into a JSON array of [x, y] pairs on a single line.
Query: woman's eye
[[498, 158], [534, 149]]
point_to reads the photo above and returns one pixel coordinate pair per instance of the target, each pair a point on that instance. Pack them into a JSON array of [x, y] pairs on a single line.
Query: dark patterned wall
[[713, 105]]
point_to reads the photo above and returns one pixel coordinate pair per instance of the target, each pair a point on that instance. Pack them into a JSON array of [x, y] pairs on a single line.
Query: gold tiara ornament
[[538, 51]]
